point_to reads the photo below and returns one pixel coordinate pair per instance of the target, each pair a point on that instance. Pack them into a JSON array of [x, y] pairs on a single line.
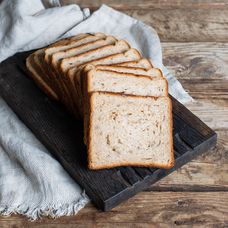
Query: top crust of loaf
[[56, 57], [127, 56], [70, 60], [91, 105], [70, 40], [36, 77], [153, 72], [142, 63], [66, 44]]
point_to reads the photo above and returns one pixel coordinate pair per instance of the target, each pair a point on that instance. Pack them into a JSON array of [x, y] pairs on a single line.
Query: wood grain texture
[[147, 209], [202, 69], [179, 21], [150, 4]]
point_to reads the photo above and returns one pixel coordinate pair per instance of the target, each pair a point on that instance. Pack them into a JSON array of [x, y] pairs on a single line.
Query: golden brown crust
[[114, 165], [39, 81], [129, 74], [135, 62], [115, 67], [64, 42], [110, 57], [151, 165], [172, 160], [90, 53]]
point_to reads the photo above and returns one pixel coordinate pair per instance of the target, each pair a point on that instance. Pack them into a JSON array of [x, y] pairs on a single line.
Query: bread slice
[[36, 75], [129, 130], [95, 80], [142, 63], [125, 83], [152, 72], [75, 61]]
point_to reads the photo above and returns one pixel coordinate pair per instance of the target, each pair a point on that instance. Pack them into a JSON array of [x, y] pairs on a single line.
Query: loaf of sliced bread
[[126, 130], [122, 97]]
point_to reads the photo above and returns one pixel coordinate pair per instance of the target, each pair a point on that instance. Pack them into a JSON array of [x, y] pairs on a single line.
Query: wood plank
[[208, 172], [150, 4], [194, 60], [180, 21], [215, 115], [202, 69], [166, 209]]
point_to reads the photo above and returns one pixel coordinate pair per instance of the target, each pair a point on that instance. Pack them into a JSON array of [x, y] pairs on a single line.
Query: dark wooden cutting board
[[63, 136]]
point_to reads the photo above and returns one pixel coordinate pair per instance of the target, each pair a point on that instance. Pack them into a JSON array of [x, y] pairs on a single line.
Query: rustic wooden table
[[194, 37]]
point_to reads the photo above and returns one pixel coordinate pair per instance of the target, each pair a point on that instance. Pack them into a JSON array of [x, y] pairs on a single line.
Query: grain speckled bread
[[119, 47], [97, 80], [126, 130], [126, 83], [122, 97]]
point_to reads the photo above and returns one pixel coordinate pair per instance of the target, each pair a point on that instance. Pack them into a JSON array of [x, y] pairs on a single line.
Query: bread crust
[[65, 42], [150, 65], [91, 52], [39, 81], [151, 165]]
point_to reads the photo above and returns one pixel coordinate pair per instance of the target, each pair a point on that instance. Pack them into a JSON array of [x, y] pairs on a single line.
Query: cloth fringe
[[52, 211]]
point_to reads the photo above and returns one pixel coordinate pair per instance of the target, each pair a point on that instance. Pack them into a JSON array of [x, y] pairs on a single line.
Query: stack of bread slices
[[122, 98]]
